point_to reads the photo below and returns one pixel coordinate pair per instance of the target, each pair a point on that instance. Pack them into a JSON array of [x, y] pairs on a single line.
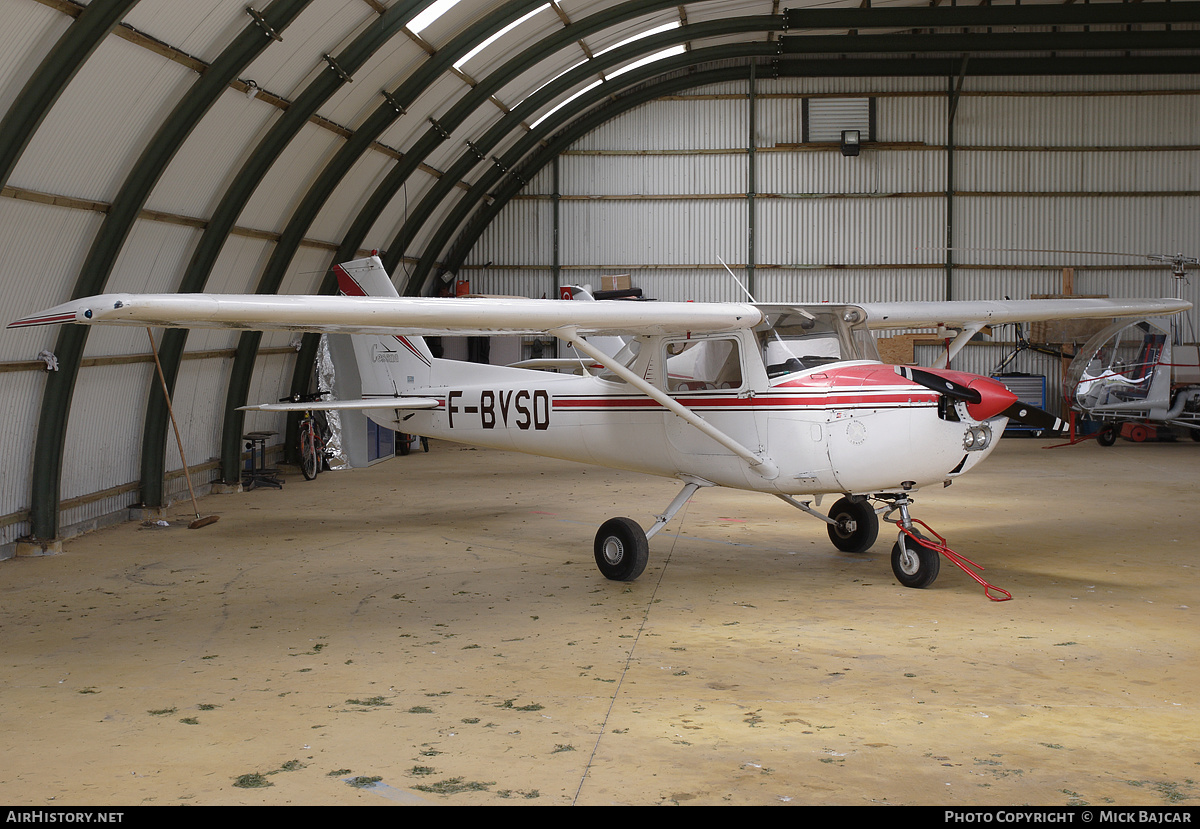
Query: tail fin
[[387, 365], [370, 366]]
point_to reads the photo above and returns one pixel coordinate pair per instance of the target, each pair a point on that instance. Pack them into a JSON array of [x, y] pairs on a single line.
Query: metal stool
[[259, 474]]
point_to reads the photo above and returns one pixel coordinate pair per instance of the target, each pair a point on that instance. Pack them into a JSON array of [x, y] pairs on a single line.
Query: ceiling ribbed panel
[[271, 205], [26, 30], [201, 30], [536, 26], [87, 143], [334, 218], [211, 154], [299, 56]]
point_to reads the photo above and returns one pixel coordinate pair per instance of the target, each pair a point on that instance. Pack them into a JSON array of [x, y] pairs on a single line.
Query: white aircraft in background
[[785, 399], [1137, 377]]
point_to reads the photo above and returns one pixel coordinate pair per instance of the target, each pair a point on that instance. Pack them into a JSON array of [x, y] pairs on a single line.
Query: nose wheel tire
[[622, 550], [914, 564], [857, 525]]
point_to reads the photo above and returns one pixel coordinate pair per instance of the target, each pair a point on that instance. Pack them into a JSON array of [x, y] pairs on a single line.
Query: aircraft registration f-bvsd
[[789, 400]]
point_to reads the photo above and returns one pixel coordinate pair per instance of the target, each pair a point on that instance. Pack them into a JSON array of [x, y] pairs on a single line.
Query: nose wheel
[[916, 560], [913, 563]]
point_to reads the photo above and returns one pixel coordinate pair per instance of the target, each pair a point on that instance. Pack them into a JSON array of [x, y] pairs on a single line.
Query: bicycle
[[312, 435]]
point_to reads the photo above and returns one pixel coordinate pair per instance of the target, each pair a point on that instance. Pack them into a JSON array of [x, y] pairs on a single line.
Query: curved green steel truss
[[56, 70], [60, 385], [217, 230], [319, 192]]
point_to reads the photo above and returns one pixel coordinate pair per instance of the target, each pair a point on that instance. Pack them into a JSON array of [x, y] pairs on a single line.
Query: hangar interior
[[510, 148]]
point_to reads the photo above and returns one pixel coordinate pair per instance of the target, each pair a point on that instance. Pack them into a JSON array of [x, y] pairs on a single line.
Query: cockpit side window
[[626, 356], [703, 365]]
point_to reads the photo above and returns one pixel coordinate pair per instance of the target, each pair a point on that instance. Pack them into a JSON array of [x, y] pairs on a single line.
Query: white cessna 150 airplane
[[789, 400]]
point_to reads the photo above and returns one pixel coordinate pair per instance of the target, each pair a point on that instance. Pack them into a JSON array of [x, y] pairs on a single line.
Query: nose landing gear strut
[[916, 558]]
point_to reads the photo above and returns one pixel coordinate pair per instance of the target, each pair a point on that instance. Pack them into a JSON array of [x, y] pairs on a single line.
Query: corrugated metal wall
[[1088, 164], [56, 199]]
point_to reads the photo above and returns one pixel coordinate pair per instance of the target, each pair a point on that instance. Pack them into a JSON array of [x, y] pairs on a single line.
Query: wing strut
[[962, 338], [761, 465]]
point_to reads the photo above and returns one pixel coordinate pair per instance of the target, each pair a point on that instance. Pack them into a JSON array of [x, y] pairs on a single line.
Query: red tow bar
[[965, 564]]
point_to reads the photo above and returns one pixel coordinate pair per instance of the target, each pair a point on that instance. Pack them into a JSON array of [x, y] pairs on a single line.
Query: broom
[[208, 519]]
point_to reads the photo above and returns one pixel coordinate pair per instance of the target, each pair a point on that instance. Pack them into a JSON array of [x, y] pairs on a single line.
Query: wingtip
[[51, 317]]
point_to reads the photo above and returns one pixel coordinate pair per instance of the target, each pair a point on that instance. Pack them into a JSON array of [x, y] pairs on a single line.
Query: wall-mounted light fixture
[[850, 142]]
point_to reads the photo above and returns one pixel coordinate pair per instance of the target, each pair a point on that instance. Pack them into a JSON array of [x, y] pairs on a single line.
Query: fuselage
[[836, 425]]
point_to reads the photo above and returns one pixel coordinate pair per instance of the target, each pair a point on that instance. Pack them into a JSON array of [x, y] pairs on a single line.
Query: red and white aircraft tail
[[386, 365]]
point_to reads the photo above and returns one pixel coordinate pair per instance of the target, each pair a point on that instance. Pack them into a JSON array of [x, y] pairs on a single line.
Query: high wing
[[493, 315], [968, 317], [407, 316], [970, 313]]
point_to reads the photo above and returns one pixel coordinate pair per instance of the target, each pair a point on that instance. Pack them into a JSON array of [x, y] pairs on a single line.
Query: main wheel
[[622, 550], [857, 525], [1107, 436], [310, 453], [914, 564]]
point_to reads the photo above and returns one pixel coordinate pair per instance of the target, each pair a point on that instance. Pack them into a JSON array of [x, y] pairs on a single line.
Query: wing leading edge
[[484, 316], [966, 313], [406, 316]]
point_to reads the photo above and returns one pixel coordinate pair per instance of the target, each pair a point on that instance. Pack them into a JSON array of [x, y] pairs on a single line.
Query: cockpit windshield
[[795, 338]]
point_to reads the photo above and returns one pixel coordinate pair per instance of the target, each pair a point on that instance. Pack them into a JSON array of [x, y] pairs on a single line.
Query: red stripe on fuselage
[[816, 400]]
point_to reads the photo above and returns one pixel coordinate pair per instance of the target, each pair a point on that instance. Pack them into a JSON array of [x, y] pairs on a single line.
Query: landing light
[[977, 438]]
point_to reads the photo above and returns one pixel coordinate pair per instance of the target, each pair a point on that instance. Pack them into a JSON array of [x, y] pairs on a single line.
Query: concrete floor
[[436, 622]]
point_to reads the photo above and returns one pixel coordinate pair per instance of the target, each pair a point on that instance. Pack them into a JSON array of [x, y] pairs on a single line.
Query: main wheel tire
[[310, 454], [1107, 436], [914, 564], [857, 512], [622, 550]]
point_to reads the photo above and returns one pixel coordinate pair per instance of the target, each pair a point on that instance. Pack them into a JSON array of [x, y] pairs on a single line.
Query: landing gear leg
[[916, 558], [914, 563], [622, 548]]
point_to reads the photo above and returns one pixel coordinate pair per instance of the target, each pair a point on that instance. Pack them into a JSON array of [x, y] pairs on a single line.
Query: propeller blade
[[940, 384], [1034, 417]]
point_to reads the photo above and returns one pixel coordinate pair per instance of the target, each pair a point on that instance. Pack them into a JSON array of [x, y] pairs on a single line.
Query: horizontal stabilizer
[[556, 363], [344, 405]]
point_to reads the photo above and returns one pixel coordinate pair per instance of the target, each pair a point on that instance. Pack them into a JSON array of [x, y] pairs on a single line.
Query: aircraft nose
[[994, 398]]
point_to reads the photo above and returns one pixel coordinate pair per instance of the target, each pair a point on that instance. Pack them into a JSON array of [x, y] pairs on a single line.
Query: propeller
[[941, 384], [985, 398], [1034, 417]]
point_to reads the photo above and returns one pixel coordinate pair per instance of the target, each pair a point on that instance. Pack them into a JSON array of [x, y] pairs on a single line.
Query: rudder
[[387, 365]]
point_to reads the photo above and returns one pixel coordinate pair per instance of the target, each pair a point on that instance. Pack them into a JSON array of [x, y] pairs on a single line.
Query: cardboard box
[[618, 282]]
